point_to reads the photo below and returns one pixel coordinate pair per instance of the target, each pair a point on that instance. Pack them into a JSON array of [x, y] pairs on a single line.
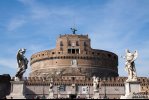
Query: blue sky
[[113, 25]]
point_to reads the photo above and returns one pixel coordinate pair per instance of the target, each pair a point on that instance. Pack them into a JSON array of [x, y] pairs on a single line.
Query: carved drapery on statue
[[22, 64], [130, 65], [95, 83]]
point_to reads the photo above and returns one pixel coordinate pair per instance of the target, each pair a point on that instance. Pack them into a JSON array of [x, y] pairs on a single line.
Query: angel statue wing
[[127, 51], [135, 55]]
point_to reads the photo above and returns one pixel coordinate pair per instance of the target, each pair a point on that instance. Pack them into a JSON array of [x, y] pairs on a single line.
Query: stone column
[[17, 90]]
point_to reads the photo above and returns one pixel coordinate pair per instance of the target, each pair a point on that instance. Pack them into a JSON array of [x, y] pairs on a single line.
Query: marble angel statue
[[130, 65], [95, 83]]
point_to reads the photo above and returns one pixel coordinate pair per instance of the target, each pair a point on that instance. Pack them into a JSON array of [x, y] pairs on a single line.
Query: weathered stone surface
[[60, 61], [130, 88], [96, 95], [17, 90]]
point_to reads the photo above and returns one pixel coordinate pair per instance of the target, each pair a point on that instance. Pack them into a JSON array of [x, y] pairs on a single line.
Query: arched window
[[61, 43]]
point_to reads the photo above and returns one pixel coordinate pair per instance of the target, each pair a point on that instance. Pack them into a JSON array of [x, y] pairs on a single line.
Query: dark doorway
[[72, 96]]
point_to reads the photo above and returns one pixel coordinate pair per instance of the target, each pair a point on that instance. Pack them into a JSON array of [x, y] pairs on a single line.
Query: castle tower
[[73, 55]]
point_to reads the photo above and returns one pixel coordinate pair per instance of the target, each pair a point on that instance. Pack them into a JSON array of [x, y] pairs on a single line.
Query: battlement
[[109, 81], [73, 35]]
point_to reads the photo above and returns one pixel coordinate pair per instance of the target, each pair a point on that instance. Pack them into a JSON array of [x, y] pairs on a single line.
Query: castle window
[[69, 51], [53, 52], [69, 43], [77, 51], [61, 43], [93, 53], [73, 78], [109, 55], [42, 54], [77, 43], [58, 52], [73, 51]]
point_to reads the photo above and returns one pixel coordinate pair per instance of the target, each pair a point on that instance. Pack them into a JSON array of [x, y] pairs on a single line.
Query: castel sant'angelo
[[73, 55]]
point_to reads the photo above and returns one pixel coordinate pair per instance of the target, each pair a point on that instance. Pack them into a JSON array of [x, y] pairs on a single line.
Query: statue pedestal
[[96, 95], [87, 96], [17, 90], [130, 88], [51, 95]]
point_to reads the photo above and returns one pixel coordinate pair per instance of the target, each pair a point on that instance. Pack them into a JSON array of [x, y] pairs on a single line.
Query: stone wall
[[114, 86], [4, 85]]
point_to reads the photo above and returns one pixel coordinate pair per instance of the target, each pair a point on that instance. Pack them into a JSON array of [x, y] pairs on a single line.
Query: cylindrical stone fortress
[[73, 55]]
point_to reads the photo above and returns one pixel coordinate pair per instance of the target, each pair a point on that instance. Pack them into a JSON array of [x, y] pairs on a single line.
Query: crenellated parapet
[[109, 81]]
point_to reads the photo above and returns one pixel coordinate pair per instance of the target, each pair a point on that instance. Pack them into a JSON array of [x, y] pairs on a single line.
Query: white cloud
[[39, 11], [15, 23]]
